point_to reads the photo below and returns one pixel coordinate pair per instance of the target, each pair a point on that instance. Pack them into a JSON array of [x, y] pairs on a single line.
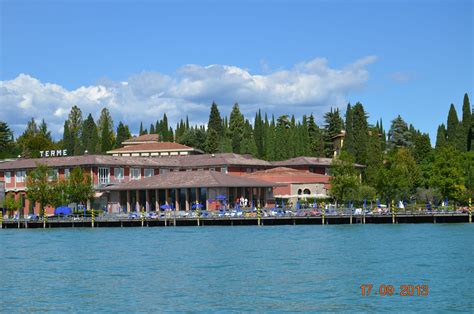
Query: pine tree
[[236, 127], [212, 141], [90, 136], [215, 121], [6, 136], [441, 136], [452, 127], [152, 129], [141, 131], [399, 134], [123, 134], [259, 134], [68, 140]]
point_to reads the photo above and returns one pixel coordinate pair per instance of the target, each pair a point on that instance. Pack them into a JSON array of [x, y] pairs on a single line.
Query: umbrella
[[365, 203], [378, 203], [297, 205], [282, 204], [166, 206], [196, 206], [62, 210], [221, 197], [446, 202]]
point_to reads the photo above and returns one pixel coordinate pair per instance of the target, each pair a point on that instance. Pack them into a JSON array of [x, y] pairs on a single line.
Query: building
[[180, 190], [148, 145], [293, 184]]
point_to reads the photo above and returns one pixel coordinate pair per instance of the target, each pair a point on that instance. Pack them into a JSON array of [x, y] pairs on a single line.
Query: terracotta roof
[[84, 160], [224, 159], [288, 175], [151, 147], [143, 138], [307, 161], [191, 179]]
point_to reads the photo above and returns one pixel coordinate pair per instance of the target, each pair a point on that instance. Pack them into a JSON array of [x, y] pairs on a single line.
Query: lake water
[[215, 269]]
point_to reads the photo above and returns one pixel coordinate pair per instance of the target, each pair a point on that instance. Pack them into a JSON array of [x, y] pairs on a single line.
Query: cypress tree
[[141, 131], [465, 144], [315, 138], [215, 121], [152, 129], [75, 130], [349, 145], [258, 134], [441, 136], [123, 134], [452, 127], [361, 132], [212, 141], [333, 125], [68, 140]]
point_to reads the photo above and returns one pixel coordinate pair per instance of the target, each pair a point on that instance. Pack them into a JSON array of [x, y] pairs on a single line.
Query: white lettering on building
[[53, 153]]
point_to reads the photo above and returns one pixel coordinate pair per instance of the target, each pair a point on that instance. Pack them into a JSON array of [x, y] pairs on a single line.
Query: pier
[[338, 219]]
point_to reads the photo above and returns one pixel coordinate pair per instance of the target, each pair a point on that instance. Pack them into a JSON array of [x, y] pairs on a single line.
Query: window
[[149, 172], [104, 175], [224, 169], [8, 177], [20, 176], [66, 173], [118, 173], [135, 173], [53, 175], [306, 192], [212, 169], [163, 171]]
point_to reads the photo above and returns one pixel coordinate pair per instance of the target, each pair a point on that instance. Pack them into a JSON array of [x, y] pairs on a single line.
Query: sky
[[141, 59]]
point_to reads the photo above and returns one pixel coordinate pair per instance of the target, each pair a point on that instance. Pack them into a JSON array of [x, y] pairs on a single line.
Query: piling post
[[92, 218], [393, 212], [45, 218], [258, 215], [142, 217], [470, 210], [197, 213], [1, 219], [323, 211]]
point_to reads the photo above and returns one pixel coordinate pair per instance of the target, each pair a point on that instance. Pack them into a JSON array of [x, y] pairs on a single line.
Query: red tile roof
[[288, 175], [152, 147], [191, 179], [143, 138]]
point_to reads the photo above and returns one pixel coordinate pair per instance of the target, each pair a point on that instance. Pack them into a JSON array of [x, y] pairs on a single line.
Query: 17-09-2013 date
[[389, 290]]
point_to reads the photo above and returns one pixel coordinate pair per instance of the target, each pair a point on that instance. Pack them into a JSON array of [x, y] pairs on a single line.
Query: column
[[197, 195], [259, 197], [147, 200], [128, 201], [167, 195], [137, 203], [157, 201], [207, 198], [176, 199], [187, 199]]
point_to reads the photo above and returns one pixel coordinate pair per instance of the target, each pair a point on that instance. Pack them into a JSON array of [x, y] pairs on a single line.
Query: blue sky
[[143, 58]]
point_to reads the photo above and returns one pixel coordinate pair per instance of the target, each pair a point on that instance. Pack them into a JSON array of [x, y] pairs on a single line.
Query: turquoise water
[[204, 269]]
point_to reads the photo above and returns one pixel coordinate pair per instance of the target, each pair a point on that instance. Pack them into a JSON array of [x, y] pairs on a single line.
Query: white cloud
[[307, 87]]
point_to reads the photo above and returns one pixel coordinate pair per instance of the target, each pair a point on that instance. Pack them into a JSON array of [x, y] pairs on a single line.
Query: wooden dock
[[240, 221]]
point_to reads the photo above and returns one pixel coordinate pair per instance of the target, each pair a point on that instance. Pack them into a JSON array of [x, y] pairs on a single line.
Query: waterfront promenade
[[172, 219]]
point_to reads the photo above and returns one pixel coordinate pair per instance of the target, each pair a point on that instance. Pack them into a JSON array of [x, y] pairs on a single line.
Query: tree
[[374, 157], [316, 142], [400, 176], [447, 174], [215, 121], [467, 120], [106, 131], [361, 133], [6, 136], [212, 141], [259, 135], [421, 146], [399, 135], [452, 127], [123, 134], [79, 186], [11, 204], [75, 131], [441, 136], [236, 128], [33, 140], [90, 137], [344, 179], [40, 186], [349, 142], [332, 127]]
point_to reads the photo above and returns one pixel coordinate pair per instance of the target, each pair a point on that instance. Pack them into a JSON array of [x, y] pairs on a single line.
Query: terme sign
[[53, 153]]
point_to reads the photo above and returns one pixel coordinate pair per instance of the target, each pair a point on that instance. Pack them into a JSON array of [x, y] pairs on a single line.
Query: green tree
[[399, 135], [212, 141], [123, 134], [40, 186], [75, 131], [215, 121], [6, 141], [452, 130], [106, 131], [333, 125], [316, 142], [79, 187], [11, 204], [236, 128], [344, 180], [90, 137], [441, 136], [361, 133], [467, 121], [33, 140], [447, 173], [349, 141]]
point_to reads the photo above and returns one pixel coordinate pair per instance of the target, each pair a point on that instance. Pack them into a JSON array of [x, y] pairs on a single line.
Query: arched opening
[[307, 192]]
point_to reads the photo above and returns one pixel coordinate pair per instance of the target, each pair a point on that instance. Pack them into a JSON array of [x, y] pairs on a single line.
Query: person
[[246, 201], [241, 201]]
